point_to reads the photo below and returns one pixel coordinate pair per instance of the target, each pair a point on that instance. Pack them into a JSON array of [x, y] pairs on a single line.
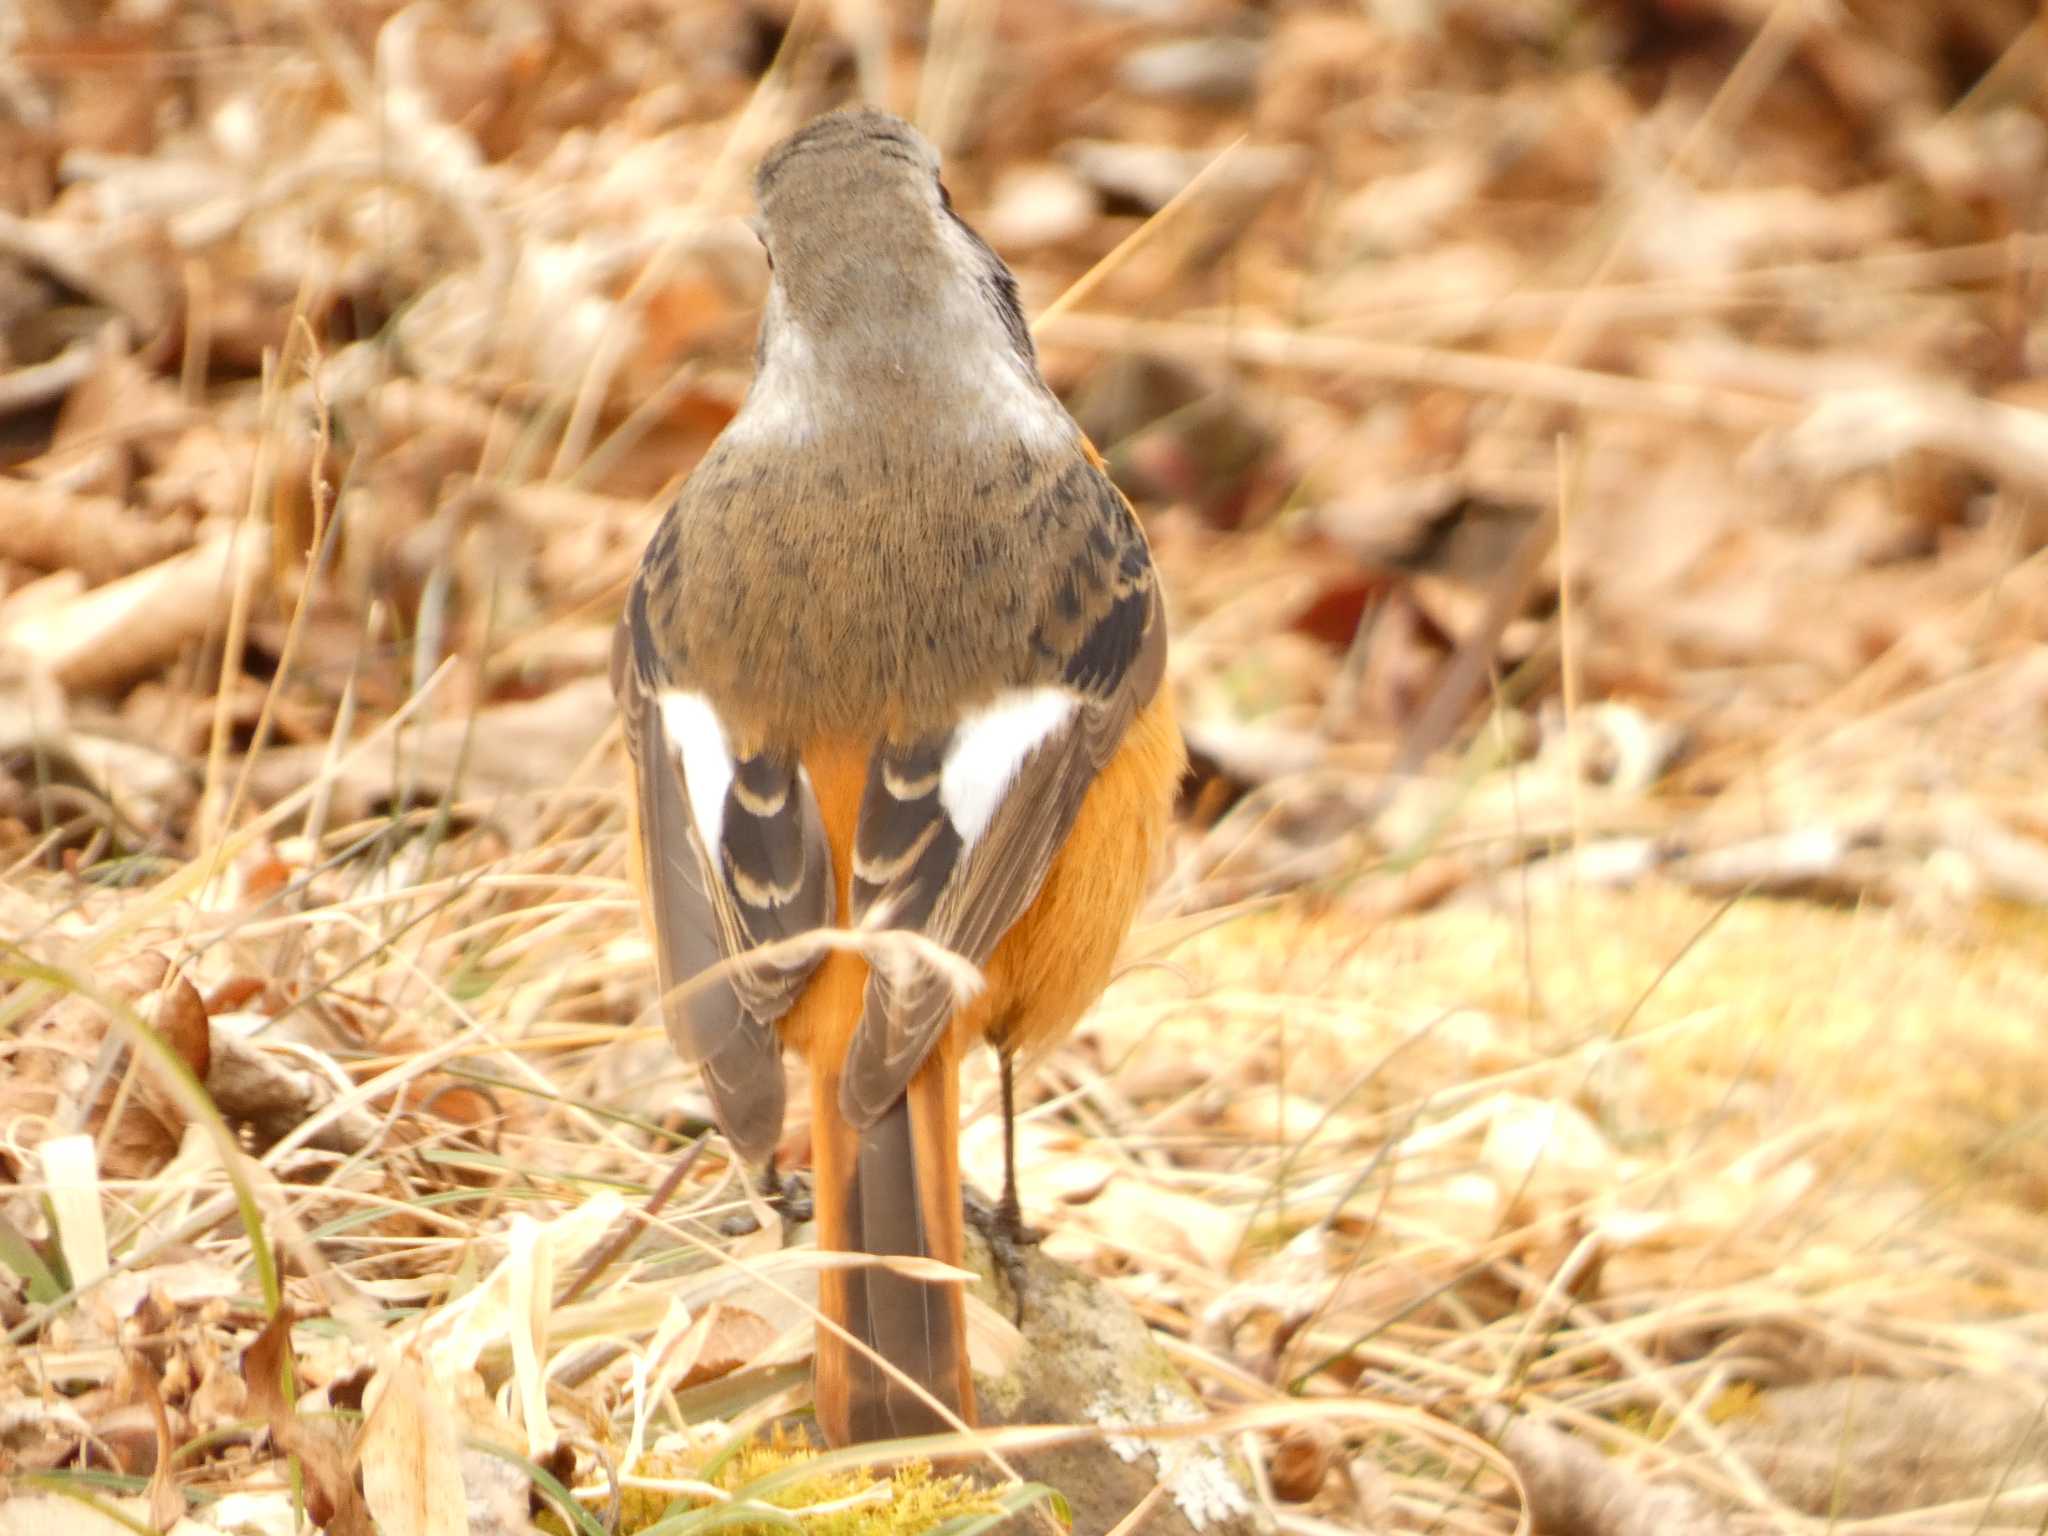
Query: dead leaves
[[412, 1474], [166, 1503], [321, 1448], [389, 330], [132, 626], [405, 1453], [135, 1121]]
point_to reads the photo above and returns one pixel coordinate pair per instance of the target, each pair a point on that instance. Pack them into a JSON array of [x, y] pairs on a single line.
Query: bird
[[894, 656]]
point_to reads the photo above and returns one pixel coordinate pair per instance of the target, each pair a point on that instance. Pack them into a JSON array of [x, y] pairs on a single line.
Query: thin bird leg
[[791, 1197], [1010, 1210], [1003, 1225]]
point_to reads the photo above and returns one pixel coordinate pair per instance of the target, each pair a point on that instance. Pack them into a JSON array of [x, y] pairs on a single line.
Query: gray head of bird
[[875, 284]]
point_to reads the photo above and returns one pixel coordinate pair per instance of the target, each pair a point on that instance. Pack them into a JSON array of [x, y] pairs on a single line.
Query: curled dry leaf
[[1573, 1488], [521, 747], [411, 1453], [166, 1503], [1151, 1224], [1149, 175], [114, 633], [35, 384], [97, 536], [1853, 430], [1214, 68], [1301, 1459], [148, 1126], [51, 1067], [263, 1090], [121, 267], [722, 1340], [326, 1459]]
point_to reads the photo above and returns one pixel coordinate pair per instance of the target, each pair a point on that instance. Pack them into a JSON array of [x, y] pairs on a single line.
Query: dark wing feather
[[904, 848], [775, 884], [768, 881], [1101, 637]]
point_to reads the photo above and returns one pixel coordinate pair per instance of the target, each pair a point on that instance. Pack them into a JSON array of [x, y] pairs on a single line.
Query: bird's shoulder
[[836, 590]]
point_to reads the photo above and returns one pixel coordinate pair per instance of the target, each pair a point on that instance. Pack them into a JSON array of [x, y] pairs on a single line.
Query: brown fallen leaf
[[265, 1091], [148, 1123], [166, 1503], [1152, 1223], [332, 1500], [411, 1454], [113, 633], [721, 1341], [1301, 1459], [53, 528], [1572, 1487]]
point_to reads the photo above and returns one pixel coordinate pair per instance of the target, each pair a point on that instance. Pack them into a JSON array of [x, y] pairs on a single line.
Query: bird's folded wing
[[956, 832], [735, 859]]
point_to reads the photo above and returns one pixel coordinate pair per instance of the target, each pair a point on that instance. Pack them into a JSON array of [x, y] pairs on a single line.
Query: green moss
[[1737, 1401], [920, 1498]]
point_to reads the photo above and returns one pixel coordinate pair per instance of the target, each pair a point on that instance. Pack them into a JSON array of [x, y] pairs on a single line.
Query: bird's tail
[[892, 1188]]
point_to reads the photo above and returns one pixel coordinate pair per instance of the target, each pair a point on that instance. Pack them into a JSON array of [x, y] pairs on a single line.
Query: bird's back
[[858, 588]]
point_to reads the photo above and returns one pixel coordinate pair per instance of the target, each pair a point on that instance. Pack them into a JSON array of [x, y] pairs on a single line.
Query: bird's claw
[[1002, 1227]]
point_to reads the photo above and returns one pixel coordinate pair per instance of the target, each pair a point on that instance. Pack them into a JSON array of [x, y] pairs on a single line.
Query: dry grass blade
[[1187, 197], [1551, 383]]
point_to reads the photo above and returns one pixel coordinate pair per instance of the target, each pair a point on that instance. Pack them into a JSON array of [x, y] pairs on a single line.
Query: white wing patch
[[989, 746], [692, 726]]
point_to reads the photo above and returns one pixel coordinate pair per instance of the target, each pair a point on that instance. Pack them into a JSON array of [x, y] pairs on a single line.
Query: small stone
[[1035, 206], [1211, 69], [1150, 174]]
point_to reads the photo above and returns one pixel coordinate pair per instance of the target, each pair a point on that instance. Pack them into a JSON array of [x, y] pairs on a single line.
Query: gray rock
[[1088, 1358]]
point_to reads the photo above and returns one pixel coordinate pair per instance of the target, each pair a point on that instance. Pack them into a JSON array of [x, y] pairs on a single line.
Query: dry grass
[[1584, 1069]]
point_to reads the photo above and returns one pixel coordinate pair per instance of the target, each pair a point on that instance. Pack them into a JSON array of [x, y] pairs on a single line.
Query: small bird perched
[[895, 653]]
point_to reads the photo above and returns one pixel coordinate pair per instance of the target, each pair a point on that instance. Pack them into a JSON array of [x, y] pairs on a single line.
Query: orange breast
[[1056, 958]]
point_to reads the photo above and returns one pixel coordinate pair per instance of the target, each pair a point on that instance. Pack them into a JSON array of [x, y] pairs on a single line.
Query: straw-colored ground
[[1585, 1068]]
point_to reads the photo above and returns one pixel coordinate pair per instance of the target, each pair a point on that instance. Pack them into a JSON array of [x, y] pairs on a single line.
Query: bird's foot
[[1001, 1225], [788, 1195]]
